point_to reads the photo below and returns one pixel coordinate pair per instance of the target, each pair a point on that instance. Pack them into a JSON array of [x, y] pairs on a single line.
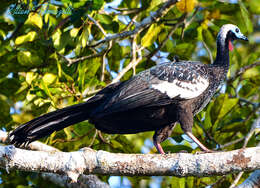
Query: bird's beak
[[243, 37]]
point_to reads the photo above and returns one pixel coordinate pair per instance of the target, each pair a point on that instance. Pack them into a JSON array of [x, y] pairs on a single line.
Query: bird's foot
[[158, 147], [205, 151]]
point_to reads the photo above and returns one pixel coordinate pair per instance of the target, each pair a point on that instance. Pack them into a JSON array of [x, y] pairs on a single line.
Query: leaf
[[29, 37], [46, 90], [253, 72], [74, 32], [208, 38], [84, 37], [177, 148], [30, 76], [151, 35], [97, 4], [27, 58], [215, 14], [116, 144], [200, 36], [34, 19], [186, 5], [49, 78], [106, 19], [153, 4], [68, 133], [184, 50], [245, 16], [254, 6], [56, 38], [221, 107], [247, 90], [207, 122]]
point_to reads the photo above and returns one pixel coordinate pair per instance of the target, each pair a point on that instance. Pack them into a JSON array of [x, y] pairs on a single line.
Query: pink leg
[[204, 148], [158, 147]]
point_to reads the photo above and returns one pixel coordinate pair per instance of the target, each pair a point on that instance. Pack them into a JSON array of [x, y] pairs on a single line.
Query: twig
[[248, 102], [206, 132], [255, 126], [104, 60], [231, 143], [245, 68], [242, 70], [86, 92], [98, 25], [188, 22], [93, 139], [221, 179], [126, 11], [102, 138], [130, 23], [72, 61], [61, 23], [236, 180], [134, 46], [209, 52], [128, 67]]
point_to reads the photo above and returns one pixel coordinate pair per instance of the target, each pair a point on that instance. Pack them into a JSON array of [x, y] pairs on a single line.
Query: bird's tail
[[50, 122]]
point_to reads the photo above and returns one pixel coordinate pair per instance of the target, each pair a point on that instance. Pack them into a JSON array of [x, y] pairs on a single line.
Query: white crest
[[185, 90]]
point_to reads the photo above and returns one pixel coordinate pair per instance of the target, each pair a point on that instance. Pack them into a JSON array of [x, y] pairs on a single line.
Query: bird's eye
[[237, 30]]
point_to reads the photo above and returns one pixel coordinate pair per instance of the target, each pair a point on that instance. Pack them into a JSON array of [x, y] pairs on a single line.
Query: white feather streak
[[185, 90]]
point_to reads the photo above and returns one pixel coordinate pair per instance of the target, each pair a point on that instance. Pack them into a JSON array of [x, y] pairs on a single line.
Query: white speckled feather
[[182, 89]]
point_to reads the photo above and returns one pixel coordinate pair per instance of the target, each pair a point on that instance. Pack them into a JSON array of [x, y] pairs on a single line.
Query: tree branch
[[84, 181], [72, 61], [88, 161], [154, 17]]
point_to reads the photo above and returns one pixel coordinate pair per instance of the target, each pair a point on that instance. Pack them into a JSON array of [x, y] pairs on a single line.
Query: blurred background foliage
[[38, 40]]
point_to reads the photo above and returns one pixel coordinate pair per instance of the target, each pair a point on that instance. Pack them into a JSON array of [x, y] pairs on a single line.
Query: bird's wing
[[185, 80], [160, 85]]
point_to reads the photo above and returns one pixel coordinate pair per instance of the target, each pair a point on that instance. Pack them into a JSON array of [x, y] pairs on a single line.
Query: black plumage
[[154, 100]]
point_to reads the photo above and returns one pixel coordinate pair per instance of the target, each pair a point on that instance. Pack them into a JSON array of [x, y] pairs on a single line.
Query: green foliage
[[35, 36]]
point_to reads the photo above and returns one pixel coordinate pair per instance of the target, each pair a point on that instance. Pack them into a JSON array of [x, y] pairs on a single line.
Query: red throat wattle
[[230, 46]]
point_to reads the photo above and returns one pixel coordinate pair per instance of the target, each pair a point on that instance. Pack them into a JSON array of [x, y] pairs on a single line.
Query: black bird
[[153, 100]]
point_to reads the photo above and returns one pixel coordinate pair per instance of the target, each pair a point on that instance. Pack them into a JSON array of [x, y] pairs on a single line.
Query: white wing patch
[[183, 89]]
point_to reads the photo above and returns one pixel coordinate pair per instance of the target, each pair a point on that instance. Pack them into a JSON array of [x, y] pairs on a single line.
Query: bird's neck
[[222, 58]]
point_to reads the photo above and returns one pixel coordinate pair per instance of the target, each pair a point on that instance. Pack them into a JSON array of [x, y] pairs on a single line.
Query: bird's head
[[229, 33]]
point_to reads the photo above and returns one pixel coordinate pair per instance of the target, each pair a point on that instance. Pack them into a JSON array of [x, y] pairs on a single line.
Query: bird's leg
[[158, 146], [161, 135], [204, 148], [185, 116]]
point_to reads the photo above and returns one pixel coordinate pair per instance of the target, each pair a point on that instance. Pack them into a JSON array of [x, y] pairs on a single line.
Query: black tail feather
[[50, 122]]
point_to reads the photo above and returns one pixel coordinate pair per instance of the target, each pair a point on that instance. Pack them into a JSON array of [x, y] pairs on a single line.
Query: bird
[[155, 99]]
